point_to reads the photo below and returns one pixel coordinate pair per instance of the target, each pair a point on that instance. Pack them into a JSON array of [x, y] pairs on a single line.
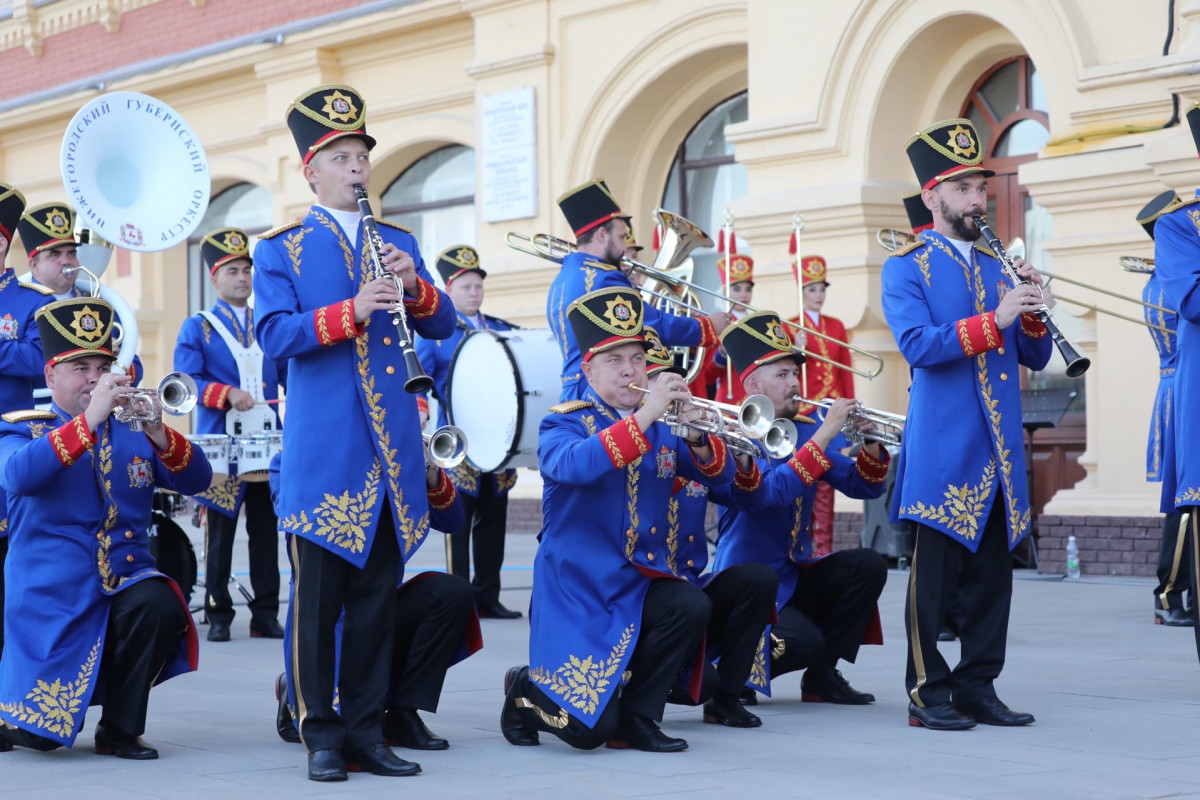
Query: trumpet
[[889, 428], [446, 447], [739, 427], [176, 394]]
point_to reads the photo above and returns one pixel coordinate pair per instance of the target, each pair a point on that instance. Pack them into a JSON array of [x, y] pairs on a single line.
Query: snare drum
[[500, 385], [217, 449], [254, 454]]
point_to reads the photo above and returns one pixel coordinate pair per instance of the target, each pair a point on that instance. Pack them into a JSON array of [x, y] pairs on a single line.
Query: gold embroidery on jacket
[[343, 521], [758, 670], [672, 535], [963, 508], [633, 474], [57, 707], [582, 682], [224, 495]]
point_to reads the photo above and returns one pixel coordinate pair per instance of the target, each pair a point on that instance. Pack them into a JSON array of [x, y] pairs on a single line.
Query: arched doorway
[[435, 199]]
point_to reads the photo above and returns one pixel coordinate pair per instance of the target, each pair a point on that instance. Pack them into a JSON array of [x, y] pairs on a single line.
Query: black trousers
[[980, 587], [827, 614], [325, 585], [262, 531], [1191, 526], [674, 616], [3, 558], [1174, 564], [482, 533], [430, 621]]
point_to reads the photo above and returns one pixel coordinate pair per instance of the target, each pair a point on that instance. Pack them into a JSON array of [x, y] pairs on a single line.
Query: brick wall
[[1107, 545]]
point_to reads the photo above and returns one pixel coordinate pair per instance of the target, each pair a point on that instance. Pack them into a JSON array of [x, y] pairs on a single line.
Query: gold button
[[1003, 376], [99, 537], [691, 538], [653, 529], [128, 534], [391, 370], [1000, 350], [129, 558], [649, 556], [690, 564], [387, 340]]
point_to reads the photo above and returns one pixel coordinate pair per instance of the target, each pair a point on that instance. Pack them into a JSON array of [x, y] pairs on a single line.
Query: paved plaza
[[1117, 700]]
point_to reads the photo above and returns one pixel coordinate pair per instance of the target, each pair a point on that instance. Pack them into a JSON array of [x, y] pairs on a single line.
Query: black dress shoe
[[402, 727], [940, 717], [511, 725], [496, 610], [218, 632], [113, 742], [990, 711], [642, 733], [724, 709], [378, 759], [1173, 617], [326, 765], [15, 737], [828, 686], [5, 744], [271, 629], [283, 717], [748, 697]]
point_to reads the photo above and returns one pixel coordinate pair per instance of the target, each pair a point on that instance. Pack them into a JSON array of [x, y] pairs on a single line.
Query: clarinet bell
[[418, 382]]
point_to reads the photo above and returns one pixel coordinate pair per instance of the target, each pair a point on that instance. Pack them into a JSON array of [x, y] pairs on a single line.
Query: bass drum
[[173, 553], [500, 385]]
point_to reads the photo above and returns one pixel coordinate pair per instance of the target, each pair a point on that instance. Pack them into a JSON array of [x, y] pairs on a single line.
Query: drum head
[[173, 554], [483, 390]]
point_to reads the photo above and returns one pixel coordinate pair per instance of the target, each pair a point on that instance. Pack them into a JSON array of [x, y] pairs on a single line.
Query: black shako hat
[[46, 226], [756, 340], [945, 151], [12, 206], [457, 260], [224, 245], [1156, 208], [606, 319], [1193, 118], [658, 357], [920, 218], [590, 206], [74, 328], [326, 114]]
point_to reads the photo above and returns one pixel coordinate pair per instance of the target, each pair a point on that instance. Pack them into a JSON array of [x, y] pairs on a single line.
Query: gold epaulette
[[983, 248], [395, 225], [26, 416], [276, 231], [569, 406], [908, 248], [1191, 201], [37, 287], [802, 418], [600, 265]]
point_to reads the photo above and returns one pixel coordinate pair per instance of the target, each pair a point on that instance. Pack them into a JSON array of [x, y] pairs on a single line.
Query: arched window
[[244, 205], [703, 179], [435, 199]]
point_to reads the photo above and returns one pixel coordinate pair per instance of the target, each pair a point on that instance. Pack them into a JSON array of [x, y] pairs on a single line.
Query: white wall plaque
[[508, 150]]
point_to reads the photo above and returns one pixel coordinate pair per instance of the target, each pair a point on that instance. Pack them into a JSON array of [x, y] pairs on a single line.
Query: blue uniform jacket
[[21, 359], [436, 355], [581, 273], [353, 438], [963, 440], [202, 353], [67, 558], [605, 534], [1162, 426], [1177, 267]]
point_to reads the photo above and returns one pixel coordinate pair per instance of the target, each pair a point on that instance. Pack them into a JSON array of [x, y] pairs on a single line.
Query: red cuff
[[216, 395], [1032, 327], [427, 301], [178, 454], [748, 481], [422, 405], [624, 442], [715, 465], [335, 323], [979, 334], [871, 469], [809, 463], [708, 333], [71, 440], [444, 495]]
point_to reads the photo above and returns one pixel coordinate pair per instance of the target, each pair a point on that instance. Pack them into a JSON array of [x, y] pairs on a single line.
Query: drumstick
[[266, 402]]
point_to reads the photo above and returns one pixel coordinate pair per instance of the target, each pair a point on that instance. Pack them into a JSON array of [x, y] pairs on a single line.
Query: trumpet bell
[[177, 393], [755, 416], [781, 439], [446, 447]]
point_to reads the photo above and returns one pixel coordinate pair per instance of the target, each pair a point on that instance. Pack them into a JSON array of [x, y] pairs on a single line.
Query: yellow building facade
[[831, 92]]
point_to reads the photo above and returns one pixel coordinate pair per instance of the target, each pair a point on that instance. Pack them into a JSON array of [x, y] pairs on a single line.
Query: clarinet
[[1077, 364], [417, 381]]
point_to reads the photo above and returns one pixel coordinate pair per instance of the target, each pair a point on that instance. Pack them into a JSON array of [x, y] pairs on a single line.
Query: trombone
[[752, 420], [176, 394], [446, 447], [889, 428]]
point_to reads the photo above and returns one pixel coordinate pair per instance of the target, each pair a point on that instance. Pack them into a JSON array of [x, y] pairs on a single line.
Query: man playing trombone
[[965, 332], [600, 229], [826, 606]]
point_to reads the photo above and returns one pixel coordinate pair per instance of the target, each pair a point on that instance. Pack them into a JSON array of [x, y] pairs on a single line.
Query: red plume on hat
[[658, 236]]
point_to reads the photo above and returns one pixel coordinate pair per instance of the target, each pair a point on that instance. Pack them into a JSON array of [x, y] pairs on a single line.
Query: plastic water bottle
[[1072, 559]]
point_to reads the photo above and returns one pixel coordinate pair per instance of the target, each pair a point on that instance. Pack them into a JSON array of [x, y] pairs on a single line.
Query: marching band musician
[[436, 626], [822, 380], [91, 619], [47, 232], [605, 606], [217, 348], [484, 496], [632, 249], [965, 331], [1174, 569], [713, 380], [352, 508], [826, 605], [742, 597], [600, 229], [1177, 265]]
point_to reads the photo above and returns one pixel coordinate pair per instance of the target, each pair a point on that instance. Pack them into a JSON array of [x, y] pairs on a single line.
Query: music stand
[[1040, 408]]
